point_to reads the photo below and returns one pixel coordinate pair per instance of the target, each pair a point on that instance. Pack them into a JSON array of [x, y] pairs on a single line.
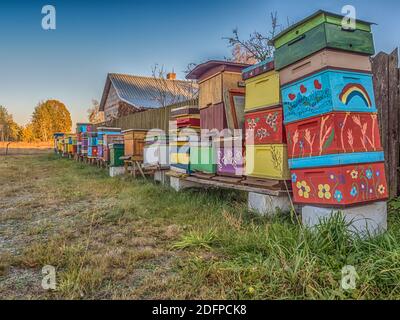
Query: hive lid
[[200, 70], [315, 14], [259, 68]]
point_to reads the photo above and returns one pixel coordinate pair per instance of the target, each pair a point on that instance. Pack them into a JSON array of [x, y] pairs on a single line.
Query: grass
[[119, 238]]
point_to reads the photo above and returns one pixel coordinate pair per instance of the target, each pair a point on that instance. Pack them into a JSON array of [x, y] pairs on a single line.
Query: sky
[[93, 38]]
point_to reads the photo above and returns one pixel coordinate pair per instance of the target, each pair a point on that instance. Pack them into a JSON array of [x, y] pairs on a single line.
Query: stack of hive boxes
[[92, 145], [72, 143], [334, 148], [218, 82], [106, 136], [82, 130], [58, 136], [266, 150], [184, 130], [156, 149]]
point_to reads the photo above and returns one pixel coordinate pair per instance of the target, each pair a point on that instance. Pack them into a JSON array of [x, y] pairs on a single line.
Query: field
[[119, 238], [22, 148]]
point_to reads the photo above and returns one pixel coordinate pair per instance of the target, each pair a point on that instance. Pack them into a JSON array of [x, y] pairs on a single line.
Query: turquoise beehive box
[[327, 91]]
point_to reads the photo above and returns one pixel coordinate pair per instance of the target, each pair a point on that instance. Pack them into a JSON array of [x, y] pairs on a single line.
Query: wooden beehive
[[134, 141], [215, 78]]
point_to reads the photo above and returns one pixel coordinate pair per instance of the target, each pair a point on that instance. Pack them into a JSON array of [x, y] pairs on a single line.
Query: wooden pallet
[[203, 175], [267, 183], [228, 179]]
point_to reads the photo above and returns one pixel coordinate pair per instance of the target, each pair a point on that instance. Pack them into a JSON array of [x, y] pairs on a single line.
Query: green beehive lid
[[311, 22]]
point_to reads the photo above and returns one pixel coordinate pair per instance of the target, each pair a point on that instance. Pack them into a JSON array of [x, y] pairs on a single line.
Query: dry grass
[[118, 238], [24, 148]]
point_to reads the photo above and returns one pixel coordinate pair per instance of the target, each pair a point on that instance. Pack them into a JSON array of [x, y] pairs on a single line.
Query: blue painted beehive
[[326, 91]]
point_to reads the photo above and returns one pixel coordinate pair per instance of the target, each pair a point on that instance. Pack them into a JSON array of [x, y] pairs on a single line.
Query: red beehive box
[[336, 132], [265, 127], [340, 186], [187, 122]]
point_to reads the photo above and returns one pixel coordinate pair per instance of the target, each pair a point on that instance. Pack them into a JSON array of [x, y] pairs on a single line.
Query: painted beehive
[[156, 150], [267, 161], [336, 132], [336, 159], [72, 143], [117, 139], [116, 152], [134, 142], [265, 126], [101, 132], [185, 111], [300, 41], [56, 137], [340, 185], [230, 156], [92, 145], [213, 117], [188, 122], [325, 59], [203, 157], [81, 130], [180, 157], [263, 91], [326, 91], [156, 154], [311, 22], [214, 78]]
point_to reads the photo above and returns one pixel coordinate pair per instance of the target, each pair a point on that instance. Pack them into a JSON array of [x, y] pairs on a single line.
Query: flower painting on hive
[[336, 132], [264, 127], [340, 186]]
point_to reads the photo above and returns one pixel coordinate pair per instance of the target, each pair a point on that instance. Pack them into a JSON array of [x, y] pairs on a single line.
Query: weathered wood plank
[[393, 76], [380, 64]]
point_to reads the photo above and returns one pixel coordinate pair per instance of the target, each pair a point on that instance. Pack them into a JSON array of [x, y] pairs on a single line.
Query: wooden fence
[[385, 68], [150, 119]]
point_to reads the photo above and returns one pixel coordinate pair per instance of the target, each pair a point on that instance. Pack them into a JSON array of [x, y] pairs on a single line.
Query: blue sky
[[96, 37]]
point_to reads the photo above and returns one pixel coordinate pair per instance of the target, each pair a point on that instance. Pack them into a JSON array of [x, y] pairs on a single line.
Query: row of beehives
[[310, 110], [309, 115]]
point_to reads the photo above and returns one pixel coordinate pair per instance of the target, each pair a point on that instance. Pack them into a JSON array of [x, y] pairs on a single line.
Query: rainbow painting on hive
[[352, 90]]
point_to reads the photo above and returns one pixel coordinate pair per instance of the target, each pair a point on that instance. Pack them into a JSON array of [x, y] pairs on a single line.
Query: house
[[125, 94]]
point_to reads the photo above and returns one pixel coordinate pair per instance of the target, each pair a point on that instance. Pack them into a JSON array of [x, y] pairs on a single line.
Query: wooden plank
[[393, 75], [380, 65], [218, 184]]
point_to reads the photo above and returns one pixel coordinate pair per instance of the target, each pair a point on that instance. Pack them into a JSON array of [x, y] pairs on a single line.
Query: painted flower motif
[[377, 173], [252, 124], [353, 191], [370, 190], [271, 120], [294, 177], [381, 189], [304, 189], [332, 177], [369, 173], [338, 196], [354, 174], [324, 191]]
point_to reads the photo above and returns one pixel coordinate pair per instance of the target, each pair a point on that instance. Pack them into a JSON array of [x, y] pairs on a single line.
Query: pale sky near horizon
[[91, 39]]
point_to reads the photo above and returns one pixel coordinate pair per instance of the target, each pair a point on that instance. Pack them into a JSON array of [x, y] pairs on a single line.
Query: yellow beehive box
[[263, 91], [268, 161]]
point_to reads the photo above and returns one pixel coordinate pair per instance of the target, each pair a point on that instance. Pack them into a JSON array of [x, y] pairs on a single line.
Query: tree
[[27, 134], [49, 117], [94, 113], [9, 129], [168, 92], [257, 47]]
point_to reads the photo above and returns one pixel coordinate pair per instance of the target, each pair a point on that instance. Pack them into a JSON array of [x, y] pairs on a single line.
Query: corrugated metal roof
[[146, 92]]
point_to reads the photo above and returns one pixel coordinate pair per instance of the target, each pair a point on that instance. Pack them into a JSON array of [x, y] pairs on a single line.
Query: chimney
[[171, 76]]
